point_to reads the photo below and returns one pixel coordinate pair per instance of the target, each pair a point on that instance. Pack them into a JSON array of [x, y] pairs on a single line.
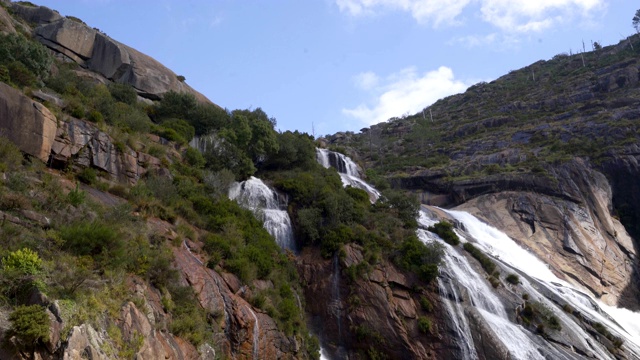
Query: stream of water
[[263, 201]]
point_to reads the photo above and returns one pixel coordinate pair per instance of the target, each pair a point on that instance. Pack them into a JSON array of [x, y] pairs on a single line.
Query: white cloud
[[507, 15], [528, 16], [407, 91], [366, 80], [435, 11]]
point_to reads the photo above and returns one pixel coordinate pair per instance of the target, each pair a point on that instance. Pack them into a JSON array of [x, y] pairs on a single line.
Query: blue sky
[[345, 64]]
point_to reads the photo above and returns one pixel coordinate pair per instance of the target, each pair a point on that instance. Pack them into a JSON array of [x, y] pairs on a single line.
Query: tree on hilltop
[[636, 21]]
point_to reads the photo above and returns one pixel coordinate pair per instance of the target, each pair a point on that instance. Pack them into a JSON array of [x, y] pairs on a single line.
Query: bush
[[424, 325], [24, 58], [423, 259], [24, 261], [10, 155], [123, 93], [101, 241], [513, 279], [76, 196], [88, 176], [425, 304], [30, 325], [445, 231], [487, 264], [194, 158]]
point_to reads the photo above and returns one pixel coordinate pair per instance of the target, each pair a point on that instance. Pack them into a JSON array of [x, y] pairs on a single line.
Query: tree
[[636, 21]]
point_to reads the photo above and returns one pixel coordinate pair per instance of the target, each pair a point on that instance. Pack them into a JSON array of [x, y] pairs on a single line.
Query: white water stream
[[348, 170], [462, 286], [620, 322], [256, 196]]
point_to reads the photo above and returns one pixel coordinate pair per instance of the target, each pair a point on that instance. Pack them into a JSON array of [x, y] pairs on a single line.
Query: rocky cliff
[[95, 51]]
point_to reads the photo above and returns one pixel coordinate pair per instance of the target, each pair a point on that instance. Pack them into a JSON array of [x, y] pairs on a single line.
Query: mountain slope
[[548, 153]]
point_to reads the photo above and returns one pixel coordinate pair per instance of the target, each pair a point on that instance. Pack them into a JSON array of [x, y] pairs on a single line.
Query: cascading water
[[256, 196], [348, 170], [464, 290], [544, 287], [256, 335]]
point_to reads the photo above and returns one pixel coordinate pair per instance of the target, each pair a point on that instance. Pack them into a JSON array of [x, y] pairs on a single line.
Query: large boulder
[[117, 62], [69, 37], [28, 124]]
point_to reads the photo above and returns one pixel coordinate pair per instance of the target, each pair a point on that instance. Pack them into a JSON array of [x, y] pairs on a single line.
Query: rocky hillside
[[118, 240], [548, 153]]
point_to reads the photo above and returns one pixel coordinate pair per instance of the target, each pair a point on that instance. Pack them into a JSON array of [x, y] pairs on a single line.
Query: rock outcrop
[[245, 332], [84, 145], [97, 52], [6, 22], [381, 305], [35, 14], [28, 124]]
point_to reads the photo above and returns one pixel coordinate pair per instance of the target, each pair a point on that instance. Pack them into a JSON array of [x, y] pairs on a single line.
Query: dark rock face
[[28, 124]]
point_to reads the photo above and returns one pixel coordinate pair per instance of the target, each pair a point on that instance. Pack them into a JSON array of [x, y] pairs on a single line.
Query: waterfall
[[542, 286], [457, 269], [256, 335], [465, 290], [256, 196], [348, 170]]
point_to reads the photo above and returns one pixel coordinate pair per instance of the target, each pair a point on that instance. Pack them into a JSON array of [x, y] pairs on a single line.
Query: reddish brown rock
[[376, 311]]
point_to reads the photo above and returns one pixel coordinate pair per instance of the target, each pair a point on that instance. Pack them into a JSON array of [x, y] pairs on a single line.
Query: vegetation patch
[[444, 229]]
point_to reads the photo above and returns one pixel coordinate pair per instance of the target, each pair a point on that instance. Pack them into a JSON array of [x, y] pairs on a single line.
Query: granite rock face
[[28, 124], [99, 53]]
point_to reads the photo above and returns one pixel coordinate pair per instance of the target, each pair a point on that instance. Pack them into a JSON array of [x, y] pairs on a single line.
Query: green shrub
[[445, 231], [30, 325], [101, 241], [183, 129], [487, 264], [194, 158], [424, 325], [76, 196], [88, 176], [513, 279], [24, 261], [26, 59], [21, 75], [10, 155], [425, 304], [124, 93], [423, 259]]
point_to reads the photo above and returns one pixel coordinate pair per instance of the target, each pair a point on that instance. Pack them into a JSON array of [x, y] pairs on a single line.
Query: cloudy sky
[[336, 65]]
